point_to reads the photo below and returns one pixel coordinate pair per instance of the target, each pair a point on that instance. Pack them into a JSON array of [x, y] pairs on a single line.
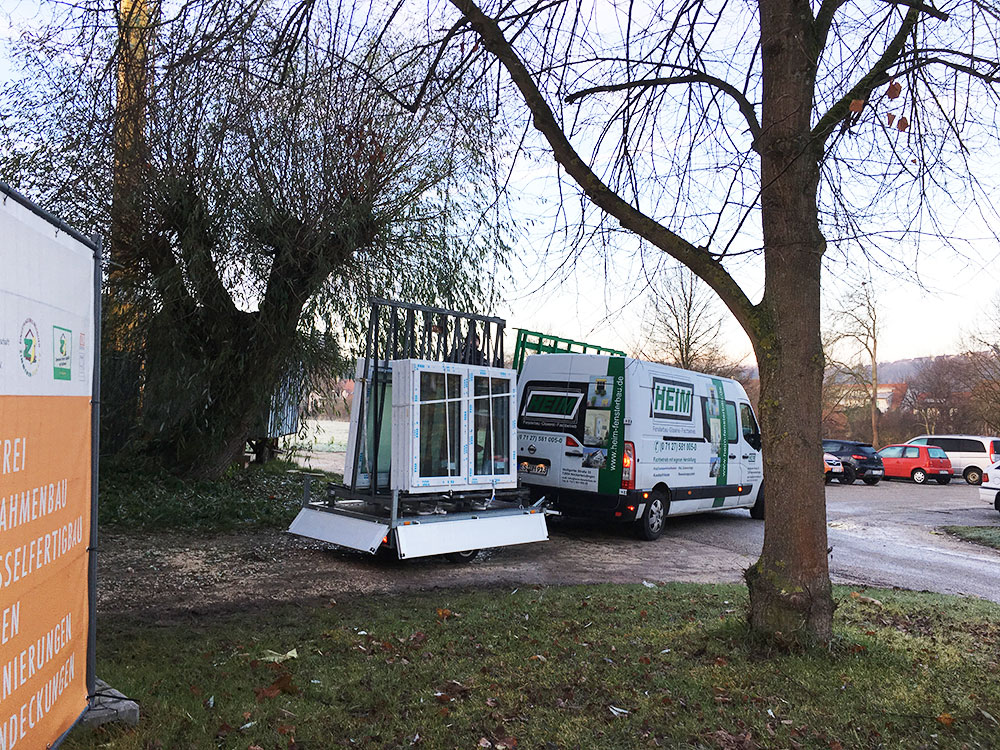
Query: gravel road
[[885, 535]]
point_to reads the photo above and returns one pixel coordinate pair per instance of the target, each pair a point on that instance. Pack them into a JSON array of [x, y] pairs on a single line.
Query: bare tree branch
[[698, 259], [746, 108]]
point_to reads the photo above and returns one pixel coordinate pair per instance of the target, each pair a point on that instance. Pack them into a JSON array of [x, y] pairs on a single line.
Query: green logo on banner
[[29, 347], [62, 354]]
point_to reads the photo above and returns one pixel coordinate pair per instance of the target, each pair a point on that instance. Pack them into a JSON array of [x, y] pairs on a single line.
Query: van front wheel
[[650, 526]]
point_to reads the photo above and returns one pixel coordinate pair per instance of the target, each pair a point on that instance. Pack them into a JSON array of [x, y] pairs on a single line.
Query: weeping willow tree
[[264, 191]]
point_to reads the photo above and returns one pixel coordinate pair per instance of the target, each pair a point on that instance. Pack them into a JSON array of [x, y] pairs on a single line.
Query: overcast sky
[[927, 307]]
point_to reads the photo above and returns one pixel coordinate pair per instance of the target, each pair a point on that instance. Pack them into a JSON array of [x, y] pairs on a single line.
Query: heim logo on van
[[671, 399]]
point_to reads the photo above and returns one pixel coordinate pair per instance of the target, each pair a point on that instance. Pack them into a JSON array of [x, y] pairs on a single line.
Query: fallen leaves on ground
[[865, 599], [283, 684]]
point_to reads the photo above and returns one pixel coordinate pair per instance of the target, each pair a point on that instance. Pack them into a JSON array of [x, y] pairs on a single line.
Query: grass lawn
[[988, 536], [609, 666]]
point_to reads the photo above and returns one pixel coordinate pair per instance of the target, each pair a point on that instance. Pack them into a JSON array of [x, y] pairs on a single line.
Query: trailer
[[431, 465]]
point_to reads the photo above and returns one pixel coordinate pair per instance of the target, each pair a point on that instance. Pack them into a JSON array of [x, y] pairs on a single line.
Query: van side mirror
[[754, 440]]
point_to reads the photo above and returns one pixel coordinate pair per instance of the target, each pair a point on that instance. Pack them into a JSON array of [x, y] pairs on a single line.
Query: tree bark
[[790, 592], [875, 440]]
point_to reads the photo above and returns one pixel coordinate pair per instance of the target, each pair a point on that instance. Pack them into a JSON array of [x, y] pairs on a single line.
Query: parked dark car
[[860, 461]]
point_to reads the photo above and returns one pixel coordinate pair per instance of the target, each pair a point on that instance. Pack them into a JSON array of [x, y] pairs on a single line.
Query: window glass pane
[[431, 386], [482, 436], [919, 441], [995, 448], [454, 386], [481, 386], [491, 427], [750, 424], [946, 443], [894, 452], [911, 452], [440, 438], [732, 426], [971, 446], [937, 453], [501, 434], [385, 433]]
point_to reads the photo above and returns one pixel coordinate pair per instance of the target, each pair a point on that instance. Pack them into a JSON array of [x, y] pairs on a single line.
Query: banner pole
[[95, 446]]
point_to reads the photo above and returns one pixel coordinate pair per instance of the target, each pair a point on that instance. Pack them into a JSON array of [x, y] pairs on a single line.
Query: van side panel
[[666, 419]]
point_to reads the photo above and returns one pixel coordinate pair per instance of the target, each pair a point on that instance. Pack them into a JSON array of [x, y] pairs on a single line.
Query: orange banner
[[45, 488]]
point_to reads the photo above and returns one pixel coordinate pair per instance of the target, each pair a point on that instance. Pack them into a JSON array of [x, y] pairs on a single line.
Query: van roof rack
[[532, 342]]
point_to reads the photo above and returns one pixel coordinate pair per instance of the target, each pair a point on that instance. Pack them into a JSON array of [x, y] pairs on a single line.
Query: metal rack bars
[[404, 330]]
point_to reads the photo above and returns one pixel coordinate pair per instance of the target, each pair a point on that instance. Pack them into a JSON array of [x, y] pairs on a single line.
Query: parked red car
[[916, 462]]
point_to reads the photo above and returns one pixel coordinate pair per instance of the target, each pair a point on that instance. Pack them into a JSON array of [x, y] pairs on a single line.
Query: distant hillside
[[898, 371], [901, 370]]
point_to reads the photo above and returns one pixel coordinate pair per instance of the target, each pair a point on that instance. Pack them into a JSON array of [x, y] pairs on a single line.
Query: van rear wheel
[[757, 509], [650, 525]]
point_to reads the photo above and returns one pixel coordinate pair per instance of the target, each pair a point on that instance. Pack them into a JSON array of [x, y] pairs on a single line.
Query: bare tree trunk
[[875, 440], [790, 592]]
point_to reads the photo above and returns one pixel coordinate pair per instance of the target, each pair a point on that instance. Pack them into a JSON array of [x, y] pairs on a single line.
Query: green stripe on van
[[609, 479], [723, 476]]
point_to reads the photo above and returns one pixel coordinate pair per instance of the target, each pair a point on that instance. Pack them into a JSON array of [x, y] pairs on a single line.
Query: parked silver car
[[970, 455]]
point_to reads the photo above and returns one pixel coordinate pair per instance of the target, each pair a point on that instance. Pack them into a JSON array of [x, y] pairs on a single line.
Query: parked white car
[[989, 490]]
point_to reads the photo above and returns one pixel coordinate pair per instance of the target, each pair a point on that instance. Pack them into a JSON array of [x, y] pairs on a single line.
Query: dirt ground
[[170, 576]]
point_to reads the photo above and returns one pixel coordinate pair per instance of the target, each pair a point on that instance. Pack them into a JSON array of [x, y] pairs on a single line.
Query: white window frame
[[508, 478], [406, 428]]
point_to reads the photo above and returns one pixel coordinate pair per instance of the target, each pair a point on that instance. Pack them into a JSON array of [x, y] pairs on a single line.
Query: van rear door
[[550, 431], [571, 432]]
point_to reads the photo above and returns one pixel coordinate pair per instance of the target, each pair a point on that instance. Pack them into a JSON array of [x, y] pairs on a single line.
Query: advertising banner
[[47, 346]]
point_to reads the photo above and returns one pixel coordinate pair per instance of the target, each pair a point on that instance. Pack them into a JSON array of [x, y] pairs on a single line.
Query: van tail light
[[859, 457], [571, 442], [628, 466]]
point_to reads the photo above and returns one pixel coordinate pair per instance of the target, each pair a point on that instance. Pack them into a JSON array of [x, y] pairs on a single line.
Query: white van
[[633, 441], [970, 455]]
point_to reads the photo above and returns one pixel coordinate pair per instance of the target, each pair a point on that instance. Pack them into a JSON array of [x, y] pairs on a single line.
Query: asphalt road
[[887, 535]]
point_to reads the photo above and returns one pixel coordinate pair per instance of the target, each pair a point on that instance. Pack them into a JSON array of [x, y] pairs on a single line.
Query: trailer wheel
[[462, 557], [650, 526]]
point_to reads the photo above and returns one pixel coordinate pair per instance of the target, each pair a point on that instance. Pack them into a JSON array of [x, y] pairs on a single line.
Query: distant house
[[891, 396]]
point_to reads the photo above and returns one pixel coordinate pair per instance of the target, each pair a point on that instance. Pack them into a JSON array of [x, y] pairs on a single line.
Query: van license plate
[[537, 469]]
